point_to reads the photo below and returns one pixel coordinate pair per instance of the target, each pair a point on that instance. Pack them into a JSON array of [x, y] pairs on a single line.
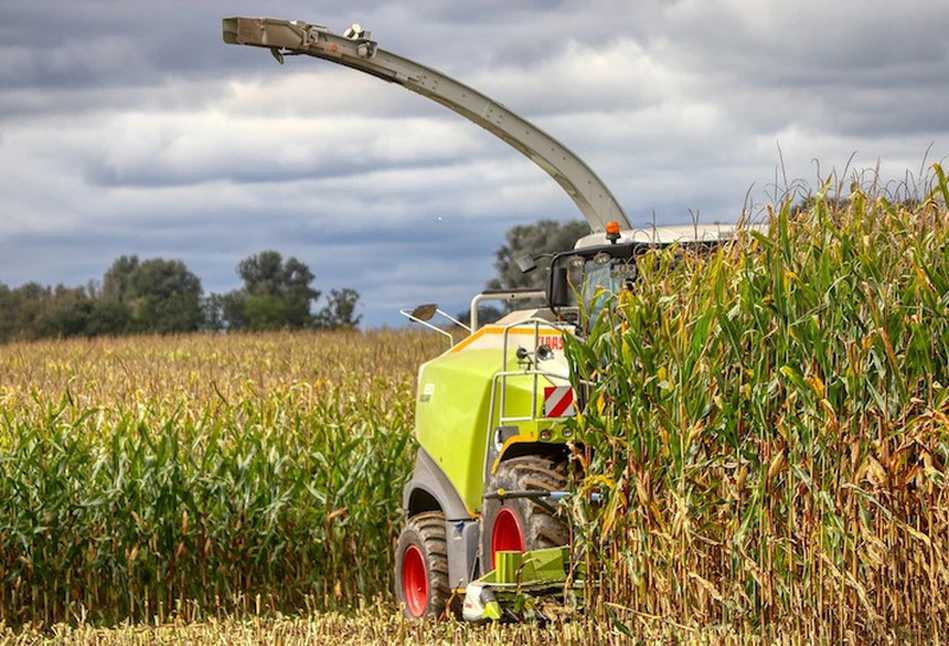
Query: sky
[[129, 127]]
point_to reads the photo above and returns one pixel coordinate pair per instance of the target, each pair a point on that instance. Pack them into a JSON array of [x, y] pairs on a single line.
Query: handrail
[[500, 295]]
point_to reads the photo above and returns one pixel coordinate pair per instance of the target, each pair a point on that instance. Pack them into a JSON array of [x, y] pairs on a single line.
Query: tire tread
[[528, 472], [429, 528]]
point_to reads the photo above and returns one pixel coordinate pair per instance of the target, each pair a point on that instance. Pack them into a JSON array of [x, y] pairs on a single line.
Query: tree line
[[161, 296]]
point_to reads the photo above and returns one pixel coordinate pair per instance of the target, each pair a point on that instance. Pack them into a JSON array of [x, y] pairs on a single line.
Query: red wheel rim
[[506, 535], [414, 581]]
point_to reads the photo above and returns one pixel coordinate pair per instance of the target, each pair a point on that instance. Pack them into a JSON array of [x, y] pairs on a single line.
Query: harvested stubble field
[[769, 429], [382, 626]]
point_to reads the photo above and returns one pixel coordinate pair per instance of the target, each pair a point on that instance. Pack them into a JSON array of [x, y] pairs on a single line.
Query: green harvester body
[[454, 416]]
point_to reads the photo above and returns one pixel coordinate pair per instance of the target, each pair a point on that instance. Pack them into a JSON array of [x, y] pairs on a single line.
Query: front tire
[[421, 567], [523, 524]]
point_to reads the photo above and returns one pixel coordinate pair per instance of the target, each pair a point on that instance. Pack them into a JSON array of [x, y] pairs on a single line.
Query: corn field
[[770, 426], [141, 478]]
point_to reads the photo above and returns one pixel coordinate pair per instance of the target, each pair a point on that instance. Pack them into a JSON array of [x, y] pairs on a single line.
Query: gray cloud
[[131, 128]]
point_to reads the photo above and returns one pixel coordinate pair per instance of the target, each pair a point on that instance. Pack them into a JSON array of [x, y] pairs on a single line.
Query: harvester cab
[[483, 524]]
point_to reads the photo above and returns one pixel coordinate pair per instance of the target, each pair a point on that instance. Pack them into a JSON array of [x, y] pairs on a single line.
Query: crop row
[[771, 426], [141, 478]]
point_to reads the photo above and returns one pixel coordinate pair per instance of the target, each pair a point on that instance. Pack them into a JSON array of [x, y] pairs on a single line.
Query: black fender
[[516, 449], [430, 489]]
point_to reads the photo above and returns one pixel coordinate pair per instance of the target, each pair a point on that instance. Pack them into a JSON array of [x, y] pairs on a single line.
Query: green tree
[[212, 313], [66, 312], [277, 294], [168, 297], [265, 312], [30, 302], [21, 311], [118, 281], [233, 309], [262, 273], [108, 318], [299, 295], [162, 296], [7, 309], [339, 313]]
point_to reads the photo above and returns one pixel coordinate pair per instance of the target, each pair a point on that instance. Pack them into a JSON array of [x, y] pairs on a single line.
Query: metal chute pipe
[[582, 185]]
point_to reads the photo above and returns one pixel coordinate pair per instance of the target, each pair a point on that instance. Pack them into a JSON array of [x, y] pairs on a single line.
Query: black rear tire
[[421, 567], [537, 522]]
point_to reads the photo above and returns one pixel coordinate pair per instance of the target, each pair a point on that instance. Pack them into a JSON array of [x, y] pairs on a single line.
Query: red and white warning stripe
[[558, 401]]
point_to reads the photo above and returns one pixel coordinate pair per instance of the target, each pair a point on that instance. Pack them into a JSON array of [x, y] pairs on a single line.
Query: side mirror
[[424, 312], [559, 287], [526, 264]]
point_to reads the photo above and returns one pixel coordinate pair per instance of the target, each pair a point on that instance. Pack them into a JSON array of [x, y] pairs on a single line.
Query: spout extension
[[355, 50]]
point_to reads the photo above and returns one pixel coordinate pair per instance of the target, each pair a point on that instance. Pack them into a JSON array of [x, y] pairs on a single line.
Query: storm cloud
[[131, 128]]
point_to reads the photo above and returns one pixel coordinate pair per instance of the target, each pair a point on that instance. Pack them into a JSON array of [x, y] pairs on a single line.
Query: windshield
[[594, 279]]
